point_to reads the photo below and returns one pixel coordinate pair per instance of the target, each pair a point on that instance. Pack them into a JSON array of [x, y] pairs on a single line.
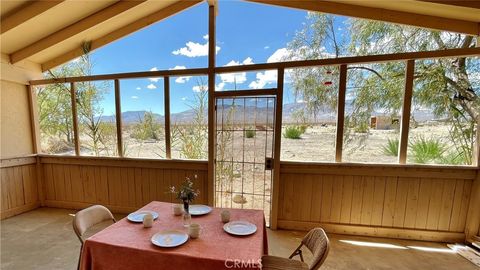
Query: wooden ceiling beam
[[380, 14], [468, 3], [73, 29], [25, 13], [121, 32]]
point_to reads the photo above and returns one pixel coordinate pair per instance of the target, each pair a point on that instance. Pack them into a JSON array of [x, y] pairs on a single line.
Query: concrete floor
[[44, 239]]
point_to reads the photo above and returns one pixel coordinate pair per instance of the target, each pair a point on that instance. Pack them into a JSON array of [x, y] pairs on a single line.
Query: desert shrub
[[250, 133], [391, 148], [293, 132], [303, 128], [426, 150], [455, 158], [361, 127], [147, 128]]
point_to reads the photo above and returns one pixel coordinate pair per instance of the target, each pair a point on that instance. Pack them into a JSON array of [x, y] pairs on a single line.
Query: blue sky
[[246, 33]]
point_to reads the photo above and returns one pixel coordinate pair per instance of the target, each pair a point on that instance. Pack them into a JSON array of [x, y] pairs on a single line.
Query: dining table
[[127, 245]]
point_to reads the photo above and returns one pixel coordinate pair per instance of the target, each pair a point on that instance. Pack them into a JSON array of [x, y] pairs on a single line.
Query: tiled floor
[[44, 239]]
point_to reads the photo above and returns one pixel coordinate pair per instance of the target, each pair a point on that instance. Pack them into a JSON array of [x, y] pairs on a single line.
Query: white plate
[[240, 228], [169, 238], [138, 216], [199, 209]]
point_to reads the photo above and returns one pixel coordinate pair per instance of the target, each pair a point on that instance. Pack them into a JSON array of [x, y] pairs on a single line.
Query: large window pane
[[143, 122], [372, 112], [96, 118], [310, 114], [445, 104], [55, 119], [189, 117]]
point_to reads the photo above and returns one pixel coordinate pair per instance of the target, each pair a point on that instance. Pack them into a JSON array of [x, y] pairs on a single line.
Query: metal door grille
[[245, 137]]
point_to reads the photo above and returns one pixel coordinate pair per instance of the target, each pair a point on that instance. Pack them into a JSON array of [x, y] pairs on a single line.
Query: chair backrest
[[89, 217], [317, 242]]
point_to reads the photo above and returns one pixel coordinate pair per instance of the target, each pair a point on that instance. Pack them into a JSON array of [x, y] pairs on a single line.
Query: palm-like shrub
[[426, 150]]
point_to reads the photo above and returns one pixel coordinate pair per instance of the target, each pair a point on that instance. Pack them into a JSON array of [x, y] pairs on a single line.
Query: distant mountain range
[[250, 114]]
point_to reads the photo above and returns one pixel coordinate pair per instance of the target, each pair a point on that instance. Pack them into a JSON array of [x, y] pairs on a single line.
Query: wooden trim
[[380, 14], [168, 144], [25, 13], [73, 29], [118, 116], [379, 58], [342, 89], [19, 210], [82, 205], [432, 171], [73, 96], [271, 66], [125, 162], [34, 122], [211, 104], [18, 161], [472, 225], [246, 93], [374, 231], [476, 151], [407, 108], [277, 148], [121, 32], [40, 181], [128, 75]]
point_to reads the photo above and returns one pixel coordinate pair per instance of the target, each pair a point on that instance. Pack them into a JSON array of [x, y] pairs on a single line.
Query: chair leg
[[79, 257]]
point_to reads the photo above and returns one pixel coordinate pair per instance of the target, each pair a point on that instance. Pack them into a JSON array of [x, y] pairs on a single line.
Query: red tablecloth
[[126, 245]]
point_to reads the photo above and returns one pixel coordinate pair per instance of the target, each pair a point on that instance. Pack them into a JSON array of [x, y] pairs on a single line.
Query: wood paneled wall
[[19, 191], [123, 185], [424, 203]]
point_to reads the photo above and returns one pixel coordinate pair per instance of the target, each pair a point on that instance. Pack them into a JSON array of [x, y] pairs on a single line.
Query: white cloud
[[184, 98], [238, 78], [151, 86], [266, 47], [154, 79], [270, 76], [134, 97], [219, 86], [200, 88], [194, 49], [205, 37], [138, 88], [182, 79]]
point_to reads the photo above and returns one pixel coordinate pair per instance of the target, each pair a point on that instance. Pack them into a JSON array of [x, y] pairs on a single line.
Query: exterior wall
[[411, 202], [123, 185], [15, 133], [15, 125]]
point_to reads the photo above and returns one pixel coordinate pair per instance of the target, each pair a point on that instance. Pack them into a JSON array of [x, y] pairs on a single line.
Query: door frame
[[278, 94]]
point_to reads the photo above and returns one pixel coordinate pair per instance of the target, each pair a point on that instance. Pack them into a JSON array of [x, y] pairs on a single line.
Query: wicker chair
[[87, 218], [316, 241]]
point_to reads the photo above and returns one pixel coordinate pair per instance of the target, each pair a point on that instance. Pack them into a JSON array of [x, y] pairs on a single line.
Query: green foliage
[[391, 149], [362, 127], [147, 128], [444, 86], [293, 132], [426, 150], [250, 133]]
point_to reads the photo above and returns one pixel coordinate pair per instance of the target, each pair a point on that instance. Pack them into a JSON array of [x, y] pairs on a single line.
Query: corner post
[[407, 107]]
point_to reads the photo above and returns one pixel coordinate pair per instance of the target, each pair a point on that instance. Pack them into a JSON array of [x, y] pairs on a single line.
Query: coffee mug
[[148, 220], [225, 215], [194, 230]]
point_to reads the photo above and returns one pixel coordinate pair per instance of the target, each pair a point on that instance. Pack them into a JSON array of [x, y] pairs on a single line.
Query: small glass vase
[[187, 218]]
